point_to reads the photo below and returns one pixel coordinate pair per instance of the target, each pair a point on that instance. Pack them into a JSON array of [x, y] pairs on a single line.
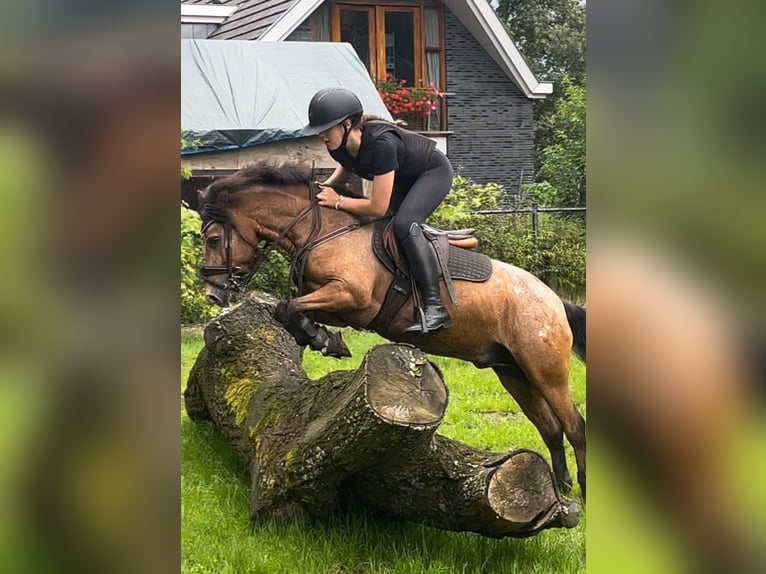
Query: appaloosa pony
[[511, 322]]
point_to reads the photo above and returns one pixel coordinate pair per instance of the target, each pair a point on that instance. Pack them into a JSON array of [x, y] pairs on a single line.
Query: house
[[485, 120]]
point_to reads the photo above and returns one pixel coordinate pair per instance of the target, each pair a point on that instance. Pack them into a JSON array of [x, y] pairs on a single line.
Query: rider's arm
[[377, 204], [339, 176]]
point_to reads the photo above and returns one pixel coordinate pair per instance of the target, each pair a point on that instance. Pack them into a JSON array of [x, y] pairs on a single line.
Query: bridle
[[236, 279]]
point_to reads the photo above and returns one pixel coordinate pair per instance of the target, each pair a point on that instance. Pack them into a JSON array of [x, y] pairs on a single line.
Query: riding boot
[[424, 270]]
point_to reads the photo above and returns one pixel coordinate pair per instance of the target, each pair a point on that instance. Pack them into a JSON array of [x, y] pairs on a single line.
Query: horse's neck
[[276, 209]]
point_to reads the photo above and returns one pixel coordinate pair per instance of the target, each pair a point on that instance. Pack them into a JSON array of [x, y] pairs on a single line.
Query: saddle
[[455, 263]]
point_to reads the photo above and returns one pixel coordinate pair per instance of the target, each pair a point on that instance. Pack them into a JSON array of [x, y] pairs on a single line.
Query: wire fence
[[535, 212]]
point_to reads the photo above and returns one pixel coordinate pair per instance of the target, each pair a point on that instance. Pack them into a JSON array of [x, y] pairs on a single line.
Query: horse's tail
[[576, 319]]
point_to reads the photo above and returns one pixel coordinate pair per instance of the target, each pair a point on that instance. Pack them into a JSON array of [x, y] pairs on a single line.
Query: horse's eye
[[213, 241]]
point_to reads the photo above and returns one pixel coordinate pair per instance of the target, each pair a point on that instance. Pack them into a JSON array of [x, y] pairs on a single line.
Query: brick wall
[[491, 119]]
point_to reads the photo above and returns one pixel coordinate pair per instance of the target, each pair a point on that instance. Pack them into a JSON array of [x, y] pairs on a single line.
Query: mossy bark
[[368, 434]]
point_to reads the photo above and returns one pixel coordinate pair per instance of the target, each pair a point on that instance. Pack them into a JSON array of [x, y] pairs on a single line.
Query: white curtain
[[320, 24], [433, 63]]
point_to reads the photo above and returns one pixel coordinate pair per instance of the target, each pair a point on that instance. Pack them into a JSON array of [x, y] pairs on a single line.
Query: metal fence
[[534, 210]]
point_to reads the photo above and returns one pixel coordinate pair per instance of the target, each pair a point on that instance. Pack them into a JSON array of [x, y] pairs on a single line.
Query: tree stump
[[367, 434]]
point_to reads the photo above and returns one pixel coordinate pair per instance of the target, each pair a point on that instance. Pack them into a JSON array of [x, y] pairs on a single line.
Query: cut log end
[[522, 493], [403, 387]]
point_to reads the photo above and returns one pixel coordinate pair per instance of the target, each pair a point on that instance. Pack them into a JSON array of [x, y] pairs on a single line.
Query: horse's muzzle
[[217, 296], [214, 300]]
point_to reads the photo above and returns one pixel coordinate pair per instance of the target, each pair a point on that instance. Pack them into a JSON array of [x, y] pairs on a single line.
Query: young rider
[[410, 178]]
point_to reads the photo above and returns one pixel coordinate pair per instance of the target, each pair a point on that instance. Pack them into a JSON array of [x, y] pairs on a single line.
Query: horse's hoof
[[569, 514], [324, 351]]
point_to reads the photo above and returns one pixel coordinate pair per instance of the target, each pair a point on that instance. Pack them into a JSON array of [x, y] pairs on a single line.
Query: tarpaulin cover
[[236, 94]]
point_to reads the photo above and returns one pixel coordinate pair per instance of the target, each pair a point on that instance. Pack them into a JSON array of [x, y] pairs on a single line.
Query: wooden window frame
[[376, 12], [371, 40], [417, 40]]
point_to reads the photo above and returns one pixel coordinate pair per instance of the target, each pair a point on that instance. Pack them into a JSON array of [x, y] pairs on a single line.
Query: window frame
[[376, 12]]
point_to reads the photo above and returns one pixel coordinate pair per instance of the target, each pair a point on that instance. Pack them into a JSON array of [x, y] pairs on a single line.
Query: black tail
[[576, 318]]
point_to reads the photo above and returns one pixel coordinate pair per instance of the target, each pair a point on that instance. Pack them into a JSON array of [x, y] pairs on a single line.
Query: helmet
[[329, 107]]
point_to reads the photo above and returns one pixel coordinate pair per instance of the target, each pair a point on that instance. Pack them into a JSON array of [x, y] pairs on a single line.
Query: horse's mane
[[221, 195]]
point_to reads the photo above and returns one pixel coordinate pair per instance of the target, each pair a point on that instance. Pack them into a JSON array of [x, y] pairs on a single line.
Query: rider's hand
[[327, 196]]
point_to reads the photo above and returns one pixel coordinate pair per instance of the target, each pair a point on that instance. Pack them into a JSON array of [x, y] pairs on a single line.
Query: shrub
[[273, 276], [194, 308]]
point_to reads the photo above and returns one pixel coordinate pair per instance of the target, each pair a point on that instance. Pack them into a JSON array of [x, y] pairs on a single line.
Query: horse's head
[[228, 262]]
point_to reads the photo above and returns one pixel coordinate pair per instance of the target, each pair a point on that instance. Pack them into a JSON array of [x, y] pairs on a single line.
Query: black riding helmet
[[329, 107]]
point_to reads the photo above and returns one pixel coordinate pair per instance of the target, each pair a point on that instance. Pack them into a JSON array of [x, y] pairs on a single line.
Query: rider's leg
[[424, 269], [423, 197]]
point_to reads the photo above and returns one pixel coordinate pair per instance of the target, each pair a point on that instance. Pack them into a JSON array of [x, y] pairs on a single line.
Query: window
[[404, 41]]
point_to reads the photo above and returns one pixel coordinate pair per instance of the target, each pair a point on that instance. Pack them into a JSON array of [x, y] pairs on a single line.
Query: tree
[[562, 162]]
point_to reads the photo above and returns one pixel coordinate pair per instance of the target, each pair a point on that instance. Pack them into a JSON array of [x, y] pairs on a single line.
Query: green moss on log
[[238, 396]]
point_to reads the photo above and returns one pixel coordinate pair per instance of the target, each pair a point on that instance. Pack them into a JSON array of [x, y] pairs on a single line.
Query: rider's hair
[[368, 117]]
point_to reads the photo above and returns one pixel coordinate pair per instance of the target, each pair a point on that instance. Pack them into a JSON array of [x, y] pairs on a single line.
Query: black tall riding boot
[[424, 270]]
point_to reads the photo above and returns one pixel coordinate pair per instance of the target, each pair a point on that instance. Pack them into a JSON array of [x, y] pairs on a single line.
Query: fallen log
[[367, 434]]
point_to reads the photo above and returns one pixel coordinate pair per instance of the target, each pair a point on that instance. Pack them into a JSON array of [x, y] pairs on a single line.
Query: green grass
[[216, 537]]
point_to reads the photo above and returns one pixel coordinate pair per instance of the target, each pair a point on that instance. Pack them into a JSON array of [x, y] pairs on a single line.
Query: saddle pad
[[469, 265], [463, 264]]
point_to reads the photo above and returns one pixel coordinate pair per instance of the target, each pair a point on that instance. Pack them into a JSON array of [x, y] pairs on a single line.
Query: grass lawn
[[216, 536]]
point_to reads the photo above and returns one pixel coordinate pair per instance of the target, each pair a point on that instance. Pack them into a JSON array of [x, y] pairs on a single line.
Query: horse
[[512, 322]]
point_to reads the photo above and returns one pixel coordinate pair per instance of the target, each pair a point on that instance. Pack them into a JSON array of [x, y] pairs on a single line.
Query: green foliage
[[465, 196], [563, 162], [273, 276], [186, 172], [558, 257], [549, 33], [194, 308]]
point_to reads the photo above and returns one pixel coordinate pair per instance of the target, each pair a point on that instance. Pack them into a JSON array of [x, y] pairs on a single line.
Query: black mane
[[220, 196]]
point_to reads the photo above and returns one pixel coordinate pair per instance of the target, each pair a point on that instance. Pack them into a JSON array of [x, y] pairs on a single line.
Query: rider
[[410, 178]]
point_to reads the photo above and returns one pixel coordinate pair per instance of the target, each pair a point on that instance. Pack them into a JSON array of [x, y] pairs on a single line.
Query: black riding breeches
[[415, 204]]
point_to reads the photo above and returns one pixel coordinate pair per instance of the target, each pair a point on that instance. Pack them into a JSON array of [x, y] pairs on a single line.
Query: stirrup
[[421, 325]]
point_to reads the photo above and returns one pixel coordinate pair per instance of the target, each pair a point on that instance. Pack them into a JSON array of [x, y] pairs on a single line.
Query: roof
[[250, 20], [233, 96], [275, 20]]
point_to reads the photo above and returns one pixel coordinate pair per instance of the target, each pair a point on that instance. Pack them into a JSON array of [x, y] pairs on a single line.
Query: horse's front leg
[[331, 298]]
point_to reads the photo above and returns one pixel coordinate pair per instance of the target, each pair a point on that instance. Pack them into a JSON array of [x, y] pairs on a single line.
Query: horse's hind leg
[[551, 379], [537, 410]]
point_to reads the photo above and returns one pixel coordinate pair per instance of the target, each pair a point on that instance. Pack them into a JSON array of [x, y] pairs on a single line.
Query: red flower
[[402, 99]]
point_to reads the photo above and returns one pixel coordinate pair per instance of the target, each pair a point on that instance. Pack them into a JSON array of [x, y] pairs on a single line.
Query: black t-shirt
[[388, 155]]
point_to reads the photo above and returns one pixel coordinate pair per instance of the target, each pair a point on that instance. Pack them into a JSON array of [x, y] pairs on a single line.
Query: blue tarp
[[236, 94]]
